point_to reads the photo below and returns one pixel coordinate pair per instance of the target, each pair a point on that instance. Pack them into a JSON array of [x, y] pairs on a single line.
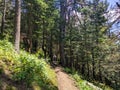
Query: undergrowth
[[26, 68], [81, 83]]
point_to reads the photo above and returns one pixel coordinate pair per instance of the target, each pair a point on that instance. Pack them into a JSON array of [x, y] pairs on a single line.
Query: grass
[[83, 84], [26, 68], [101, 85]]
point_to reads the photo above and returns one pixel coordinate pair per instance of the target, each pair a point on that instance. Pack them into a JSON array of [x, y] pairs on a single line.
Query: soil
[[65, 82], [8, 84]]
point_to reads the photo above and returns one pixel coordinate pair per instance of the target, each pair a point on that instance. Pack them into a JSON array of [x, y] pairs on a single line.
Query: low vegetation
[[25, 69], [85, 85], [83, 35], [81, 84]]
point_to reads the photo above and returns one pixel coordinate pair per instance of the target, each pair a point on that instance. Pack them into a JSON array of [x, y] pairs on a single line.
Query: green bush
[[40, 53], [26, 68], [24, 71], [81, 83]]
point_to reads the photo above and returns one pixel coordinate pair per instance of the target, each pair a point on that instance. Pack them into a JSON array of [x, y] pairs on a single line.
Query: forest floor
[[8, 84], [65, 82]]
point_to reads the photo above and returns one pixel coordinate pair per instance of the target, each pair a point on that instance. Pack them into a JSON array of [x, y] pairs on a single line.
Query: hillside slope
[[24, 71]]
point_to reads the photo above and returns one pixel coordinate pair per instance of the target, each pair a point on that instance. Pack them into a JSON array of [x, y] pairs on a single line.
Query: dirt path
[[64, 81]]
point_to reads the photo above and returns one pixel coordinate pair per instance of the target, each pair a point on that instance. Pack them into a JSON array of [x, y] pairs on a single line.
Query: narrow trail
[[64, 81]]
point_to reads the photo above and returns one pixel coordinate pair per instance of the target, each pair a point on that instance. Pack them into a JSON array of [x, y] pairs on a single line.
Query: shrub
[[26, 67]]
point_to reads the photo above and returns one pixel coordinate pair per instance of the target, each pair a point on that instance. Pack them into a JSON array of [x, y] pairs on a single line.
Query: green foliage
[[67, 70], [42, 3], [5, 45], [101, 85], [1, 71], [87, 47], [26, 68], [81, 83], [40, 53]]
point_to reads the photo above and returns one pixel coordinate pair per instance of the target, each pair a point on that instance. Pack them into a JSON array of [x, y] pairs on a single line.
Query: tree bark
[[17, 24], [43, 41], [51, 46], [3, 17], [93, 64], [30, 33], [62, 31]]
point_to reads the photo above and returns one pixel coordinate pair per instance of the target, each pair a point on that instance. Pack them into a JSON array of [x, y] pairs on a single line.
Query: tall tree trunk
[[100, 73], [17, 24], [30, 27], [83, 68], [70, 47], [93, 64], [3, 17], [43, 41], [88, 70], [51, 46], [62, 30]]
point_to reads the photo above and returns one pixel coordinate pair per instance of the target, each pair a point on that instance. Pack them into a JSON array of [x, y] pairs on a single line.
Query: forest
[[43, 42]]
